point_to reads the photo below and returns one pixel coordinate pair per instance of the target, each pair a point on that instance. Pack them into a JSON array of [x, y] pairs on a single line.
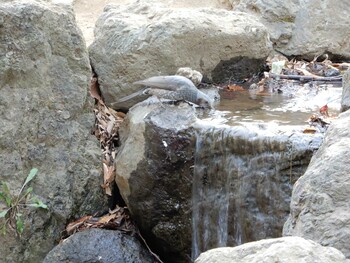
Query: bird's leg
[[177, 102]]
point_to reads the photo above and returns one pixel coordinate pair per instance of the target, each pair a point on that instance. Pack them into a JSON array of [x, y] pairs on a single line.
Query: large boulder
[[319, 208], [98, 245], [305, 28], [345, 101], [45, 122], [144, 39], [286, 249], [154, 174], [206, 186]]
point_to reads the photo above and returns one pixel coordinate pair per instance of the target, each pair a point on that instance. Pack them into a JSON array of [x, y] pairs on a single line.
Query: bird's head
[[205, 101]]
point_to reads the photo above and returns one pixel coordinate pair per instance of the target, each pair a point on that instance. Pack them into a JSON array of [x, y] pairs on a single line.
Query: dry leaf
[[105, 219], [94, 89], [310, 130], [72, 227], [233, 87]]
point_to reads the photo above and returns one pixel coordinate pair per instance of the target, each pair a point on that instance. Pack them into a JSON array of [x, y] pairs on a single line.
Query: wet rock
[[242, 184], [98, 245], [156, 184], [287, 249], [320, 200], [345, 101], [231, 183], [45, 121], [296, 29], [144, 39]]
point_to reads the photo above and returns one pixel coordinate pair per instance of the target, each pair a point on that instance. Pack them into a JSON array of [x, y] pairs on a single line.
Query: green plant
[[15, 203]]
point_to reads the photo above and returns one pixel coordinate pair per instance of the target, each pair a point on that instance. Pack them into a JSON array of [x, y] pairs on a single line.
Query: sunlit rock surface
[[145, 39], [320, 201], [287, 249], [304, 28], [45, 122], [345, 102]]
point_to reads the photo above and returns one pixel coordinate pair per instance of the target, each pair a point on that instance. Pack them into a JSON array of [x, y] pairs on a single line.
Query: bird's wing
[[167, 82]]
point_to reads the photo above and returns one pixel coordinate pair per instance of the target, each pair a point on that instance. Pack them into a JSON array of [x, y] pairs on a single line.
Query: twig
[[150, 251], [305, 78]]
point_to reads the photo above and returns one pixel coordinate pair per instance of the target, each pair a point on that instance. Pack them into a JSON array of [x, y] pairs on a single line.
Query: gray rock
[[287, 249], [45, 121], [319, 208], [296, 29], [194, 75], [345, 101], [182, 175], [144, 39], [98, 245]]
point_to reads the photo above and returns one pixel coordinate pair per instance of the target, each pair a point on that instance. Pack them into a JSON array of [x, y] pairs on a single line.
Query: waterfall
[[242, 184]]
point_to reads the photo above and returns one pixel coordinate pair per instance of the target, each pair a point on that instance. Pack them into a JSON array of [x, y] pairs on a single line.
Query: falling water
[[242, 184]]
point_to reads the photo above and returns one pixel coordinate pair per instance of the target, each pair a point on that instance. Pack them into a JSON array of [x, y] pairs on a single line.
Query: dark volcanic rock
[[98, 245], [189, 185]]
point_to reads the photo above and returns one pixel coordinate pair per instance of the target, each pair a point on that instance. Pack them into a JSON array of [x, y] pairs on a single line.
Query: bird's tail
[[131, 96]]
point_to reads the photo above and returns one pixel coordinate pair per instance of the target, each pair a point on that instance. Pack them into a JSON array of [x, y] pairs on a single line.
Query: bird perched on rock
[[172, 88]]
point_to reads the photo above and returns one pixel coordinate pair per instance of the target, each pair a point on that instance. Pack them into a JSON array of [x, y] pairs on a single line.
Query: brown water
[[293, 106]]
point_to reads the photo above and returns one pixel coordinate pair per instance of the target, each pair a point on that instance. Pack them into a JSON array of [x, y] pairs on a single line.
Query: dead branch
[[305, 78]]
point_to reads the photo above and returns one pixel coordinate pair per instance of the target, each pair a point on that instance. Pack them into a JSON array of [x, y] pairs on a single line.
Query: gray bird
[[172, 88]]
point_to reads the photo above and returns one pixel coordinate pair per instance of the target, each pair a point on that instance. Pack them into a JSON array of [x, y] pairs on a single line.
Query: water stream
[[248, 155]]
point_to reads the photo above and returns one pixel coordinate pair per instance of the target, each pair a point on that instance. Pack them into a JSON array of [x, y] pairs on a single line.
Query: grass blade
[[3, 213], [19, 224], [30, 176]]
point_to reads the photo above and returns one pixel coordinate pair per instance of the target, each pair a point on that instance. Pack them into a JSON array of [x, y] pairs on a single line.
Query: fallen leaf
[[72, 227], [233, 87], [105, 219], [94, 89], [309, 130]]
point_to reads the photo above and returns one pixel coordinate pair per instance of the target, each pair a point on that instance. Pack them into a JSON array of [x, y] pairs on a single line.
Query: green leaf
[[29, 190], [2, 196], [30, 176], [6, 189], [3, 213], [38, 204], [3, 230], [6, 194], [19, 224]]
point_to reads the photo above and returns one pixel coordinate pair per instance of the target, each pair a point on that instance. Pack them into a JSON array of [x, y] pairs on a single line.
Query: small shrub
[[15, 203]]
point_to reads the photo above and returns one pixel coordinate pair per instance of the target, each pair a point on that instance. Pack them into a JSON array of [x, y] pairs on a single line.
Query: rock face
[[345, 101], [287, 249], [320, 201], [156, 185], [45, 123], [146, 39], [98, 245], [207, 187], [305, 28]]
